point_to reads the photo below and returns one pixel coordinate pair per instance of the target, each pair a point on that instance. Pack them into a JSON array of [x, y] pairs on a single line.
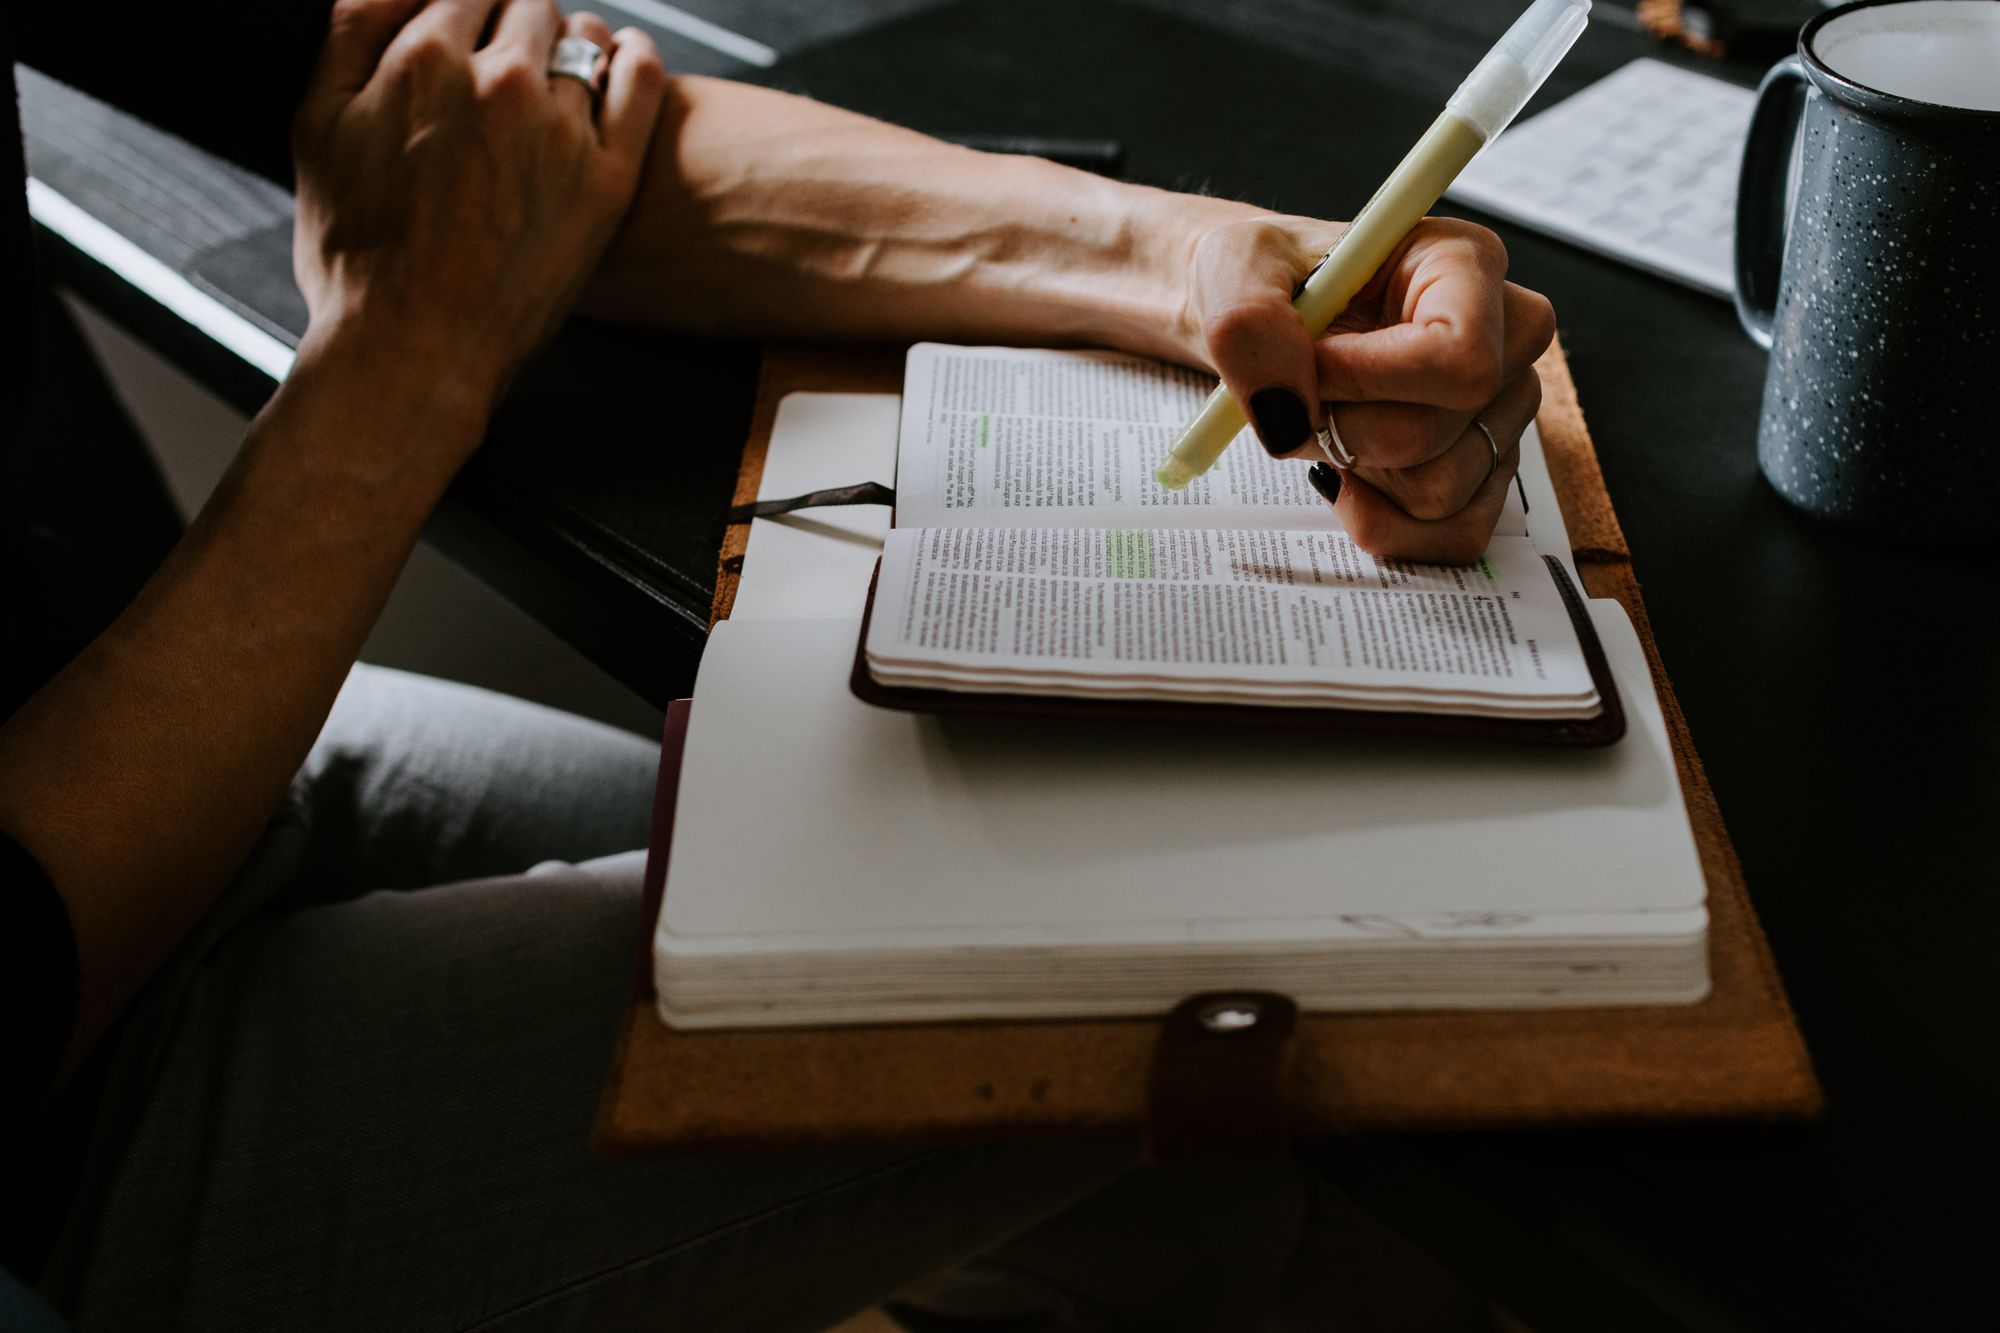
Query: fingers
[[570, 93], [526, 30], [1244, 283], [591, 28], [1379, 525], [635, 84], [1436, 346], [1383, 527], [1445, 510], [1451, 330], [1448, 355], [435, 48], [1406, 434], [1442, 486], [1531, 326], [358, 32], [455, 25]]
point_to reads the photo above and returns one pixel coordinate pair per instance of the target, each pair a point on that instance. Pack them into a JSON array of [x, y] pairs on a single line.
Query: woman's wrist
[[353, 446], [399, 402], [1150, 308]]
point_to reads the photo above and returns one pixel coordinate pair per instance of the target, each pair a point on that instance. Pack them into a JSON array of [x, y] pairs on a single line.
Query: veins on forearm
[[818, 223]]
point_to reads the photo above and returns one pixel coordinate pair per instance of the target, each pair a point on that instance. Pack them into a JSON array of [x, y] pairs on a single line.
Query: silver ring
[[577, 58], [1492, 444], [1335, 448]]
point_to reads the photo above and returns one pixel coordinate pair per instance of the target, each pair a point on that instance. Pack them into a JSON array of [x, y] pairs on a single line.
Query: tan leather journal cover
[[1736, 1054]]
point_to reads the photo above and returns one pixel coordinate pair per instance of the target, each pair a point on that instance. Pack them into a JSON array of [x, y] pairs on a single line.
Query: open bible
[[1034, 564]]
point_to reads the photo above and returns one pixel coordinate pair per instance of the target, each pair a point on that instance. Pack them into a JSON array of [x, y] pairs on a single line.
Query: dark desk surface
[[1839, 692]]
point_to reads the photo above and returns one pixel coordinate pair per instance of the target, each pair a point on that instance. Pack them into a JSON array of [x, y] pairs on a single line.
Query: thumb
[[1254, 338], [1262, 353]]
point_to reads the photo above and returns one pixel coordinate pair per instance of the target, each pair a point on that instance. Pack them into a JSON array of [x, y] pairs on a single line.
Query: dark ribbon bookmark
[[866, 493]]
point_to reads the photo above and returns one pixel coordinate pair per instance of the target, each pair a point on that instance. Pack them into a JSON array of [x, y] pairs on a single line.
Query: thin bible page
[[1246, 607], [1022, 437], [818, 562]]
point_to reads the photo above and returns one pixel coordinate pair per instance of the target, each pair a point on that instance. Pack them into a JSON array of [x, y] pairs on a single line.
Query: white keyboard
[[1640, 166]]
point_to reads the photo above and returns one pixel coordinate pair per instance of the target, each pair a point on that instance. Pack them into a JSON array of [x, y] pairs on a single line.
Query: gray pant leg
[[416, 781], [411, 781], [375, 1114], [344, 1109]]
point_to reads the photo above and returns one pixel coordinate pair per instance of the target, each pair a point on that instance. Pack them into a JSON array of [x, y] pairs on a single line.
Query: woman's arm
[[764, 214], [451, 202], [769, 215], [140, 775]]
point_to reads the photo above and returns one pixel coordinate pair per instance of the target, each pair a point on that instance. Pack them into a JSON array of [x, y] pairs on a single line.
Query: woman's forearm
[[770, 215], [142, 774]]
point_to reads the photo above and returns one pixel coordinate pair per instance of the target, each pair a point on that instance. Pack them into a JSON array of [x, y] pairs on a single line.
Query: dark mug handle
[[1763, 206]]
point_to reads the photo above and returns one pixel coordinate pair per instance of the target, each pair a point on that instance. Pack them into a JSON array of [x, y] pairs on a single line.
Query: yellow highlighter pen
[[1496, 90]]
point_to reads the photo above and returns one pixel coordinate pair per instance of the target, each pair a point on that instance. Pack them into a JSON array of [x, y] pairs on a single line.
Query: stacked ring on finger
[[1492, 444], [577, 58], [1335, 448]]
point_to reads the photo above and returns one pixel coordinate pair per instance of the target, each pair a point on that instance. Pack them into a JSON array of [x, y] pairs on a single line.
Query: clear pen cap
[[1501, 84]]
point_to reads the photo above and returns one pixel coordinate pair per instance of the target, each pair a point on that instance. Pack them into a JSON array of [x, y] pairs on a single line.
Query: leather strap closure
[[1221, 1078]]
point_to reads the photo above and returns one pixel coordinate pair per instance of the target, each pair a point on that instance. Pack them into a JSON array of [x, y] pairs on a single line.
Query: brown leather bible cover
[[1736, 1054]]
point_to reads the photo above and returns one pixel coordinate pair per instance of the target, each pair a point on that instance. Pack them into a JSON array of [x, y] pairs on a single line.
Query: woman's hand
[[453, 194], [1437, 345]]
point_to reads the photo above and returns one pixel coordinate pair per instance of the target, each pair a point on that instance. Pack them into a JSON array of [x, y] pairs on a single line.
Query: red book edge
[[666, 794]]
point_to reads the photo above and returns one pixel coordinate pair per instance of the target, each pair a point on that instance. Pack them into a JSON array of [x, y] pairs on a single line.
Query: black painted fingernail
[[1282, 423], [1325, 480]]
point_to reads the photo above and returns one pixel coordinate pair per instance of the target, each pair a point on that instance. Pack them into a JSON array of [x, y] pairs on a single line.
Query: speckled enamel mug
[[1875, 277]]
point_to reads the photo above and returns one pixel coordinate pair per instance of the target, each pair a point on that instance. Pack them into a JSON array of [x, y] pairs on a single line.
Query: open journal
[[1034, 559], [832, 862]]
